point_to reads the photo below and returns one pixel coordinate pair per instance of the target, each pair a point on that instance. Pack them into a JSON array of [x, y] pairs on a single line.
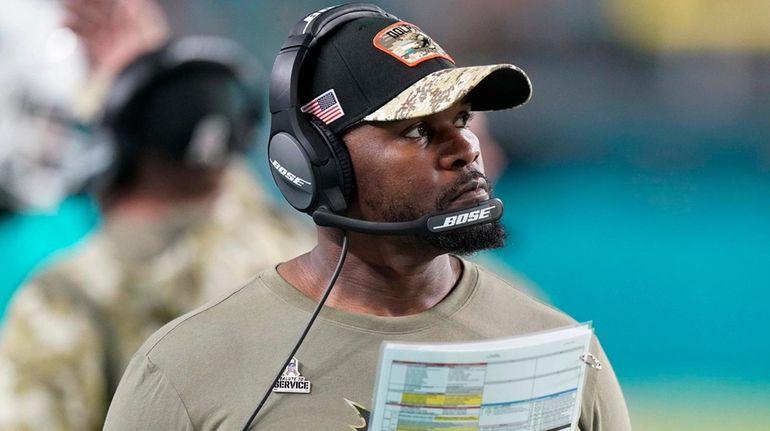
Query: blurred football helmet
[[46, 151]]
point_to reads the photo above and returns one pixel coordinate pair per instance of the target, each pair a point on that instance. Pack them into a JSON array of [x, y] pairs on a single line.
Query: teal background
[[672, 269], [29, 239]]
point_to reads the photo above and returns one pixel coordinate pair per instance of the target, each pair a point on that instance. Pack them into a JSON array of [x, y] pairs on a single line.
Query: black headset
[[186, 54], [310, 164]]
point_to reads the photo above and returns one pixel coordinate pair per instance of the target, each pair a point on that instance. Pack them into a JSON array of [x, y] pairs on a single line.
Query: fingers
[[87, 16], [113, 32]]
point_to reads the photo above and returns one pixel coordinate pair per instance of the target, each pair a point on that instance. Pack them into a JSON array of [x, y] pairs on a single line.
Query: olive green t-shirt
[[207, 370]]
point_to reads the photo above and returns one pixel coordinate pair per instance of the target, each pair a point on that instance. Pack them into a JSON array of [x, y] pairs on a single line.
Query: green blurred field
[[694, 405]]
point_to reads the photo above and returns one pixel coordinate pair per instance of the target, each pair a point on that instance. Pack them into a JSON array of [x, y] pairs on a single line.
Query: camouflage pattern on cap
[[439, 91]]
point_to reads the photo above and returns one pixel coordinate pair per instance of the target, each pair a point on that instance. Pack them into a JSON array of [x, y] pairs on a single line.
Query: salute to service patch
[[291, 381], [408, 44]]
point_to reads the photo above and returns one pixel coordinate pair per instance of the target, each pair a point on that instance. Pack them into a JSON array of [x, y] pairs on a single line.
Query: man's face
[[406, 169]]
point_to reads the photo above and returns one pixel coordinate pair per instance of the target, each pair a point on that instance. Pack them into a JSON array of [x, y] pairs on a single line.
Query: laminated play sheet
[[529, 383]]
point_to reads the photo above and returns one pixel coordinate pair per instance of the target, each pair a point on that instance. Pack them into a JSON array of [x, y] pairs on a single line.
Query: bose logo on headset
[[299, 182], [461, 219]]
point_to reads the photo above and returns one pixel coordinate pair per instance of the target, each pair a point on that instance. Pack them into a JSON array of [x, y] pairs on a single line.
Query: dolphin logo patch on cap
[[408, 44]]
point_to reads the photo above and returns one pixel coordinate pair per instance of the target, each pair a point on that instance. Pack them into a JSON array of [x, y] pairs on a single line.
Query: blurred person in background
[[45, 101], [183, 219], [51, 88]]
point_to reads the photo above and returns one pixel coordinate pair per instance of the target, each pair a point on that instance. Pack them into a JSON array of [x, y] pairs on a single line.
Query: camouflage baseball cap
[[384, 69], [442, 89]]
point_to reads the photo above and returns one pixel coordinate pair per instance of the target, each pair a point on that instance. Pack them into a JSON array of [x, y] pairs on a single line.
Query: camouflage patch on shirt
[[71, 331]]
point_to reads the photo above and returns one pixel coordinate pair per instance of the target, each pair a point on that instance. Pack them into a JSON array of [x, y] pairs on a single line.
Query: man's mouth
[[473, 192]]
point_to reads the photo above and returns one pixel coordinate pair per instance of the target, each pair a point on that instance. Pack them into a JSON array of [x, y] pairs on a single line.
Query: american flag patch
[[326, 107]]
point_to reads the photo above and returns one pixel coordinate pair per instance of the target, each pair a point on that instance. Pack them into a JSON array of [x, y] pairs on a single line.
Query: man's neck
[[380, 276]]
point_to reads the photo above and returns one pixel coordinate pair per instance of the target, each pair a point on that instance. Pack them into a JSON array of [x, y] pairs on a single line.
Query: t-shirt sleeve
[[604, 408], [146, 400]]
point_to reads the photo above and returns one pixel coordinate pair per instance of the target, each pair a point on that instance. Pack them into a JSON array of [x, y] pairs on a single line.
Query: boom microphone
[[430, 224]]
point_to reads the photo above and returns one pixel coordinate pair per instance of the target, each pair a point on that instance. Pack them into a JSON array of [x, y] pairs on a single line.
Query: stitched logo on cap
[[408, 44]]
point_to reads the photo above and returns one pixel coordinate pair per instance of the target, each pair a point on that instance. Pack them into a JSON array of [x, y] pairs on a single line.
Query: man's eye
[[417, 131], [463, 119]]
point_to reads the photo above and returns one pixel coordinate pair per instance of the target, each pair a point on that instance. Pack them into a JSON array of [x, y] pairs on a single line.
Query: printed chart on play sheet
[[528, 383]]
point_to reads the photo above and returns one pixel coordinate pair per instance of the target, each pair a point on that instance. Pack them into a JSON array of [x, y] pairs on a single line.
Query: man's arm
[[604, 408], [114, 32], [146, 400]]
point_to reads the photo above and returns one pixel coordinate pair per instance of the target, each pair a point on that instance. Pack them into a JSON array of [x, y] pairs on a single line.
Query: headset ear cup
[[341, 155]]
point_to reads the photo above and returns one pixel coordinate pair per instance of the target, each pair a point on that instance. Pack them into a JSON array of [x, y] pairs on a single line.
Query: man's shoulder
[[245, 214], [505, 302], [512, 294], [52, 319], [86, 269], [220, 318]]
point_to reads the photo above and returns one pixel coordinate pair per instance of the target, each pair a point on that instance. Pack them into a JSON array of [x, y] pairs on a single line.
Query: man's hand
[[114, 32]]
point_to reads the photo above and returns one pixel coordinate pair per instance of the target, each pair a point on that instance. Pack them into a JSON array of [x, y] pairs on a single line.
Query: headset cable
[[317, 310]]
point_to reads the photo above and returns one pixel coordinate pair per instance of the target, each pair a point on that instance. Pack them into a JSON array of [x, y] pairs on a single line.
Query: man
[[183, 222], [405, 128]]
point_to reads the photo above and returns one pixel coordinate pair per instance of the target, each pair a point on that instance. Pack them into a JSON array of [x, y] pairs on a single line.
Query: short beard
[[463, 242], [469, 240]]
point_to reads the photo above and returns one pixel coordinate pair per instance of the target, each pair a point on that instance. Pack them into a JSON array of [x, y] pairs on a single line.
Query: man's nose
[[461, 149]]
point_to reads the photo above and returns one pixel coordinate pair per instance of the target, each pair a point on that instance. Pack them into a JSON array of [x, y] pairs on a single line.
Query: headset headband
[[284, 82], [210, 51]]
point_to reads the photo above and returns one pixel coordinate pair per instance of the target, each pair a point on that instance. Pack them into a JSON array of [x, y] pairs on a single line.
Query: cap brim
[[487, 88]]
